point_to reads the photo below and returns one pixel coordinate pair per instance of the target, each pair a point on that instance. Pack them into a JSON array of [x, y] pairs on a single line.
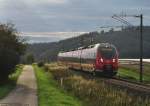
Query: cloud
[[67, 15], [35, 37], [62, 35], [50, 2]]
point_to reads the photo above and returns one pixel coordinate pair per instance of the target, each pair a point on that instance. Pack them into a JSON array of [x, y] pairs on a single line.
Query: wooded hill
[[127, 42]]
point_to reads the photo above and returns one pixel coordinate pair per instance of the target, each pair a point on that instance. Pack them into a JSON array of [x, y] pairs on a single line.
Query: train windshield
[[108, 53]]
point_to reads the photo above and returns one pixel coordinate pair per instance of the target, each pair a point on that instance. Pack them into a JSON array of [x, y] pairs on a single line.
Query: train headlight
[[102, 60], [114, 60]]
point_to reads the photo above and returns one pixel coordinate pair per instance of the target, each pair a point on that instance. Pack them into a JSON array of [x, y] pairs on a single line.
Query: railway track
[[129, 86]]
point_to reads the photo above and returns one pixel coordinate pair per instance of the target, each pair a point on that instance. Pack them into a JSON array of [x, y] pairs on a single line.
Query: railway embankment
[[93, 91]]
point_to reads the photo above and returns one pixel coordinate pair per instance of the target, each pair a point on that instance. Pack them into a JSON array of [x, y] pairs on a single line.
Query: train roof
[[105, 45], [91, 46]]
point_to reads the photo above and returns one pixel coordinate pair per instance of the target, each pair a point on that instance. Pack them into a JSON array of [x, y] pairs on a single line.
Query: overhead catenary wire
[[118, 18]]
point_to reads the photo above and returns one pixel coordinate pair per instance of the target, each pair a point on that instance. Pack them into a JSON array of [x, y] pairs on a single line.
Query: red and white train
[[97, 58]]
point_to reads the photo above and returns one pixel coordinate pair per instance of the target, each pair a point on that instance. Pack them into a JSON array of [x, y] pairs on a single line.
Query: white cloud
[[47, 1], [62, 35]]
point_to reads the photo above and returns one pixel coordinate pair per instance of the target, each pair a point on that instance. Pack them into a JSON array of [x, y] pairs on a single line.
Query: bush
[[58, 71], [11, 47], [41, 64]]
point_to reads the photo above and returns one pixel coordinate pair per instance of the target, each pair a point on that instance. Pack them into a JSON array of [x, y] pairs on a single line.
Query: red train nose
[[107, 61]]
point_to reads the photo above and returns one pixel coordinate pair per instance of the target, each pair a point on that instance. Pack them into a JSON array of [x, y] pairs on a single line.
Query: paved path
[[25, 93]]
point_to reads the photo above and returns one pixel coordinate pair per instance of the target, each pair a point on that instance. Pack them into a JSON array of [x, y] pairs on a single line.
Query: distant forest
[[126, 40]]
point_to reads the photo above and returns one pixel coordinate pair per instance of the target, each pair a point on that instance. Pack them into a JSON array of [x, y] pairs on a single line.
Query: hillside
[[127, 42]]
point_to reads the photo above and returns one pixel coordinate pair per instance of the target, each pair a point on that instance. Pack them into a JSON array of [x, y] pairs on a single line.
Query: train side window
[[85, 47]]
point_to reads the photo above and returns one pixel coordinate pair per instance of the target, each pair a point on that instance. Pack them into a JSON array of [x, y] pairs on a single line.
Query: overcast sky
[[69, 15]]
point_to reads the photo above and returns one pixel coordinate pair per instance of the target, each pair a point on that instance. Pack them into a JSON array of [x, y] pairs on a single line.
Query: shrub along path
[[25, 91]]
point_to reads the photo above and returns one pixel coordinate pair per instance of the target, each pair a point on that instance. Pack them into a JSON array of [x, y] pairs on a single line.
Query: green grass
[[132, 74], [6, 88], [49, 93]]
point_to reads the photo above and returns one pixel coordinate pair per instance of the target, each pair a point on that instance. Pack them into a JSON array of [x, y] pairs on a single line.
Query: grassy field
[[49, 93], [94, 93], [6, 88], [131, 72]]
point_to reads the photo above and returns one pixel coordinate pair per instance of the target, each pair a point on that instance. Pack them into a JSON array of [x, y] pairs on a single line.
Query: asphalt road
[[25, 93]]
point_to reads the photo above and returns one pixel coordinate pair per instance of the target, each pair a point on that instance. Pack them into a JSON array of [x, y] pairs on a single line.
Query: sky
[[40, 16]]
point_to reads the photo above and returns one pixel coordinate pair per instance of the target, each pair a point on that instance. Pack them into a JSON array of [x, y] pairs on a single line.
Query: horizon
[[48, 37]]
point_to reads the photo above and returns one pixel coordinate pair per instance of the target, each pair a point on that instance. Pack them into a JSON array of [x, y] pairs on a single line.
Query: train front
[[107, 60]]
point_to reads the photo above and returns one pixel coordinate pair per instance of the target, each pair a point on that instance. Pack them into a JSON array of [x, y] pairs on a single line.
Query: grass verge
[[49, 93], [6, 88]]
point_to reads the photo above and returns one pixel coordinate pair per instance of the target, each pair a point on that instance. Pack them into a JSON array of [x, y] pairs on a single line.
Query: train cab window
[[91, 46], [107, 52], [85, 47]]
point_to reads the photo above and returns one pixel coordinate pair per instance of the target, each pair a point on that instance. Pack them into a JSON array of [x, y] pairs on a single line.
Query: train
[[97, 58]]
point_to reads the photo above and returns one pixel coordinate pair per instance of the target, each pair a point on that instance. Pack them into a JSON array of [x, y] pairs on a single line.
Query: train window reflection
[[107, 53]]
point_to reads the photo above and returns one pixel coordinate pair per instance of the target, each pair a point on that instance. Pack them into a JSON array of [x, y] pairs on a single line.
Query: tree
[[11, 48], [30, 58], [102, 32]]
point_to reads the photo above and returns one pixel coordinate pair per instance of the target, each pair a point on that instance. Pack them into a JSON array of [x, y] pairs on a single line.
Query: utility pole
[[141, 38], [141, 48]]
